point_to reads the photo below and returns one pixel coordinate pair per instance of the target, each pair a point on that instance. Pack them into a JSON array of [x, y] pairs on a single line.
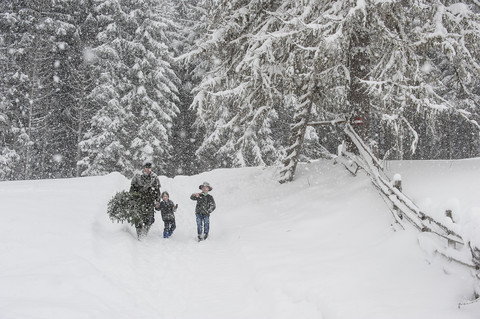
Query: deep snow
[[319, 247]]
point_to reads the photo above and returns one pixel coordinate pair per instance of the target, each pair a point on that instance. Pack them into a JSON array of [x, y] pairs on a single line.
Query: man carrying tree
[[146, 186]]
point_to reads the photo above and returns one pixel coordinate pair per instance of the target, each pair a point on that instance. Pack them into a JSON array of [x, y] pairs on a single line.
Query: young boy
[[205, 206], [167, 208]]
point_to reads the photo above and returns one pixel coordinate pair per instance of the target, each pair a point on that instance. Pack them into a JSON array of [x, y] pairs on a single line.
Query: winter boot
[[170, 232], [146, 229], [205, 236], [165, 234]]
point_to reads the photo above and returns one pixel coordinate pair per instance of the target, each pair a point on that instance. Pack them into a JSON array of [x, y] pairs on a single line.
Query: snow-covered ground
[[319, 247]]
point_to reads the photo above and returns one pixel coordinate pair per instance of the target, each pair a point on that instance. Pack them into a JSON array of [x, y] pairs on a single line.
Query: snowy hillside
[[320, 247]]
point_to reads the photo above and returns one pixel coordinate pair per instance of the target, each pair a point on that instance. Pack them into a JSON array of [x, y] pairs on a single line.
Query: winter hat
[[206, 184], [148, 165]]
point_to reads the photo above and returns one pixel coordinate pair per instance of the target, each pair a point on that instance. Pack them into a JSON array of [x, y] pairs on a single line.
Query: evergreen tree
[[29, 40], [414, 44], [69, 108], [9, 132], [369, 60], [45, 94], [137, 90], [93, 86], [190, 17], [238, 100]]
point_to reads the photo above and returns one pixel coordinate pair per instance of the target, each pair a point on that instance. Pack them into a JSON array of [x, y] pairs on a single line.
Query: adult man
[[147, 187]]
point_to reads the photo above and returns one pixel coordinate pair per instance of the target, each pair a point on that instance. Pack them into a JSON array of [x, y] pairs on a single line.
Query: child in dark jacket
[[167, 209], [205, 206]]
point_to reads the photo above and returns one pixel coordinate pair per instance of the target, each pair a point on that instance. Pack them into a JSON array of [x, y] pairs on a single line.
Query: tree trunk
[[31, 102], [359, 67], [297, 135], [79, 131]]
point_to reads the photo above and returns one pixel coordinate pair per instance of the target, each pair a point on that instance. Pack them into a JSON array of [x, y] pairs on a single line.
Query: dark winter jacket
[[167, 208], [147, 185], [205, 204]]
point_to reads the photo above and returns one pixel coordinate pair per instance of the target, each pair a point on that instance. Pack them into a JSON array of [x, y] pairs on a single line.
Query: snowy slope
[[320, 247]]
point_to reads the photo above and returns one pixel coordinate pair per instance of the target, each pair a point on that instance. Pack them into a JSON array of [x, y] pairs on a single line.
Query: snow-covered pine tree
[[453, 67], [396, 61], [31, 37], [153, 93], [370, 58], [315, 66], [77, 70], [9, 131], [69, 108], [9, 158], [15, 98], [413, 44], [260, 52], [137, 93], [105, 144], [190, 18], [237, 100], [44, 95]]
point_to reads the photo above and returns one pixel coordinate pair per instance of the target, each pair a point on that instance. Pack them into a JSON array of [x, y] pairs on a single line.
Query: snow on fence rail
[[441, 238]]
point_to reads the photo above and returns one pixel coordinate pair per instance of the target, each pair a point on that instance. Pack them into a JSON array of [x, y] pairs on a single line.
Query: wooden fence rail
[[447, 242]]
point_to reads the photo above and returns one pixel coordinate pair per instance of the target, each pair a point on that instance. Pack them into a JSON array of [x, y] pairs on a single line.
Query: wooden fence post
[[451, 243], [397, 183]]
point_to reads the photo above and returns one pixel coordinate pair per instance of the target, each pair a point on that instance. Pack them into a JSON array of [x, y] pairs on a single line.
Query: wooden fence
[[446, 242]]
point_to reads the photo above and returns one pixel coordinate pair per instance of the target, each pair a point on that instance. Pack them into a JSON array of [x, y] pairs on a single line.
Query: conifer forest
[[89, 87]]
